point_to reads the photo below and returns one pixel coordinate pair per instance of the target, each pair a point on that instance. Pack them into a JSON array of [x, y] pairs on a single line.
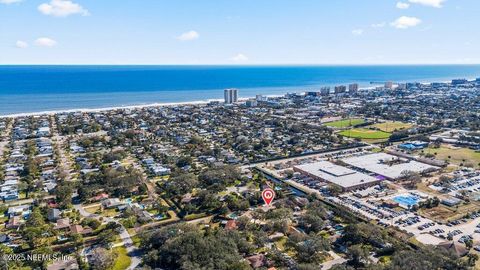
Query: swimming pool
[[406, 200]]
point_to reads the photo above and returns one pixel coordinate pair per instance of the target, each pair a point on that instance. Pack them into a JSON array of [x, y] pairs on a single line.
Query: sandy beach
[[109, 108], [140, 106]]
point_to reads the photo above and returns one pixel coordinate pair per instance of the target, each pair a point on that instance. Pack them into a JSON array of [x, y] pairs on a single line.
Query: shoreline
[[166, 104], [139, 106], [126, 107]]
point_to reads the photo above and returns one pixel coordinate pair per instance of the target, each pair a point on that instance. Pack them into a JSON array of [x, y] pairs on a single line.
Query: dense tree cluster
[[119, 181], [72, 125], [313, 218], [425, 258], [187, 247], [365, 241], [218, 178], [181, 184]]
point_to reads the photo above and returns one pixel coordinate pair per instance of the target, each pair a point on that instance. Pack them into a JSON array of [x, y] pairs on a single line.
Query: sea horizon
[[37, 89]]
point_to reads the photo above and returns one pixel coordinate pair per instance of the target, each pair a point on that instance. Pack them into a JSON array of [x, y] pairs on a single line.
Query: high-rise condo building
[[340, 89], [325, 91], [230, 95], [352, 88]]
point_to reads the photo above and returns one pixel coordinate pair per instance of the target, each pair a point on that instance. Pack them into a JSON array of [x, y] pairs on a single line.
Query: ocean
[[28, 89]]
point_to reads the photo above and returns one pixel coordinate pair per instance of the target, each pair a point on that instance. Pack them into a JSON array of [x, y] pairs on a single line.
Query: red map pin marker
[[268, 195]]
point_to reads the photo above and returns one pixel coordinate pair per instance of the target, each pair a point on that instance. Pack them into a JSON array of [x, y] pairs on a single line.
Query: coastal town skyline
[[385, 177], [36, 89], [243, 33], [239, 135]]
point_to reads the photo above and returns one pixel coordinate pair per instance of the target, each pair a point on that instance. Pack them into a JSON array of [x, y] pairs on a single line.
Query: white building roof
[[378, 163], [336, 174]]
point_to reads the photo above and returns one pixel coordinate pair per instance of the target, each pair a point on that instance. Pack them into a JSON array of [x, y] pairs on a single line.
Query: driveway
[[133, 252], [336, 260]]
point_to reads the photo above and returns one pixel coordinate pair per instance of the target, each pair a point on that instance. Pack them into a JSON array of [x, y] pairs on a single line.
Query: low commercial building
[[416, 145], [451, 201], [390, 203], [340, 89], [340, 176], [389, 166]]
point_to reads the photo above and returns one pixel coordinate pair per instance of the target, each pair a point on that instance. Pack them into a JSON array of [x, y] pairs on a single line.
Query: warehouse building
[[341, 176], [389, 166]]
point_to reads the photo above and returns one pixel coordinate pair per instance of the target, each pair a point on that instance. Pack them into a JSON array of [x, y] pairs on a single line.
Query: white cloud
[[357, 32], [7, 2], [405, 22], [188, 36], [62, 8], [45, 42], [240, 58], [402, 5], [21, 44], [378, 25], [429, 3]]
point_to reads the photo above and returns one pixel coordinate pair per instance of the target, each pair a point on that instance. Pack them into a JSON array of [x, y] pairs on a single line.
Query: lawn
[[136, 240], [122, 261], [363, 133], [391, 126], [110, 212], [195, 216], [22, 195], [92, 209], [96, 209], [345, 123], [385, 259], [455, 155], [280, 243]]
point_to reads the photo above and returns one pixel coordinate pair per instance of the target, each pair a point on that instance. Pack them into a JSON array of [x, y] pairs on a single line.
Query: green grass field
[[123, 261], [363, 133], [455, 155], [391, 126], [345, 123]]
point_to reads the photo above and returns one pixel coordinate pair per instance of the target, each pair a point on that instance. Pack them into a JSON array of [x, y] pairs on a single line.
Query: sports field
[[391, 126], [345, 123], [363, 133], [455, 155]]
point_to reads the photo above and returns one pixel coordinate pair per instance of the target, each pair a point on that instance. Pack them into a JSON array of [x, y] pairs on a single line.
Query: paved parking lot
[[424, 229], [461, 180]]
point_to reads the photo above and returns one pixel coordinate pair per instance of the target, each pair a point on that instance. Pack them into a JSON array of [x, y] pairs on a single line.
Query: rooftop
[[387, 165], [336, 174]]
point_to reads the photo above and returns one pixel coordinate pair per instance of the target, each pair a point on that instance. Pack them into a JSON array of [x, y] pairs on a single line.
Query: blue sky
[[239, 32]]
